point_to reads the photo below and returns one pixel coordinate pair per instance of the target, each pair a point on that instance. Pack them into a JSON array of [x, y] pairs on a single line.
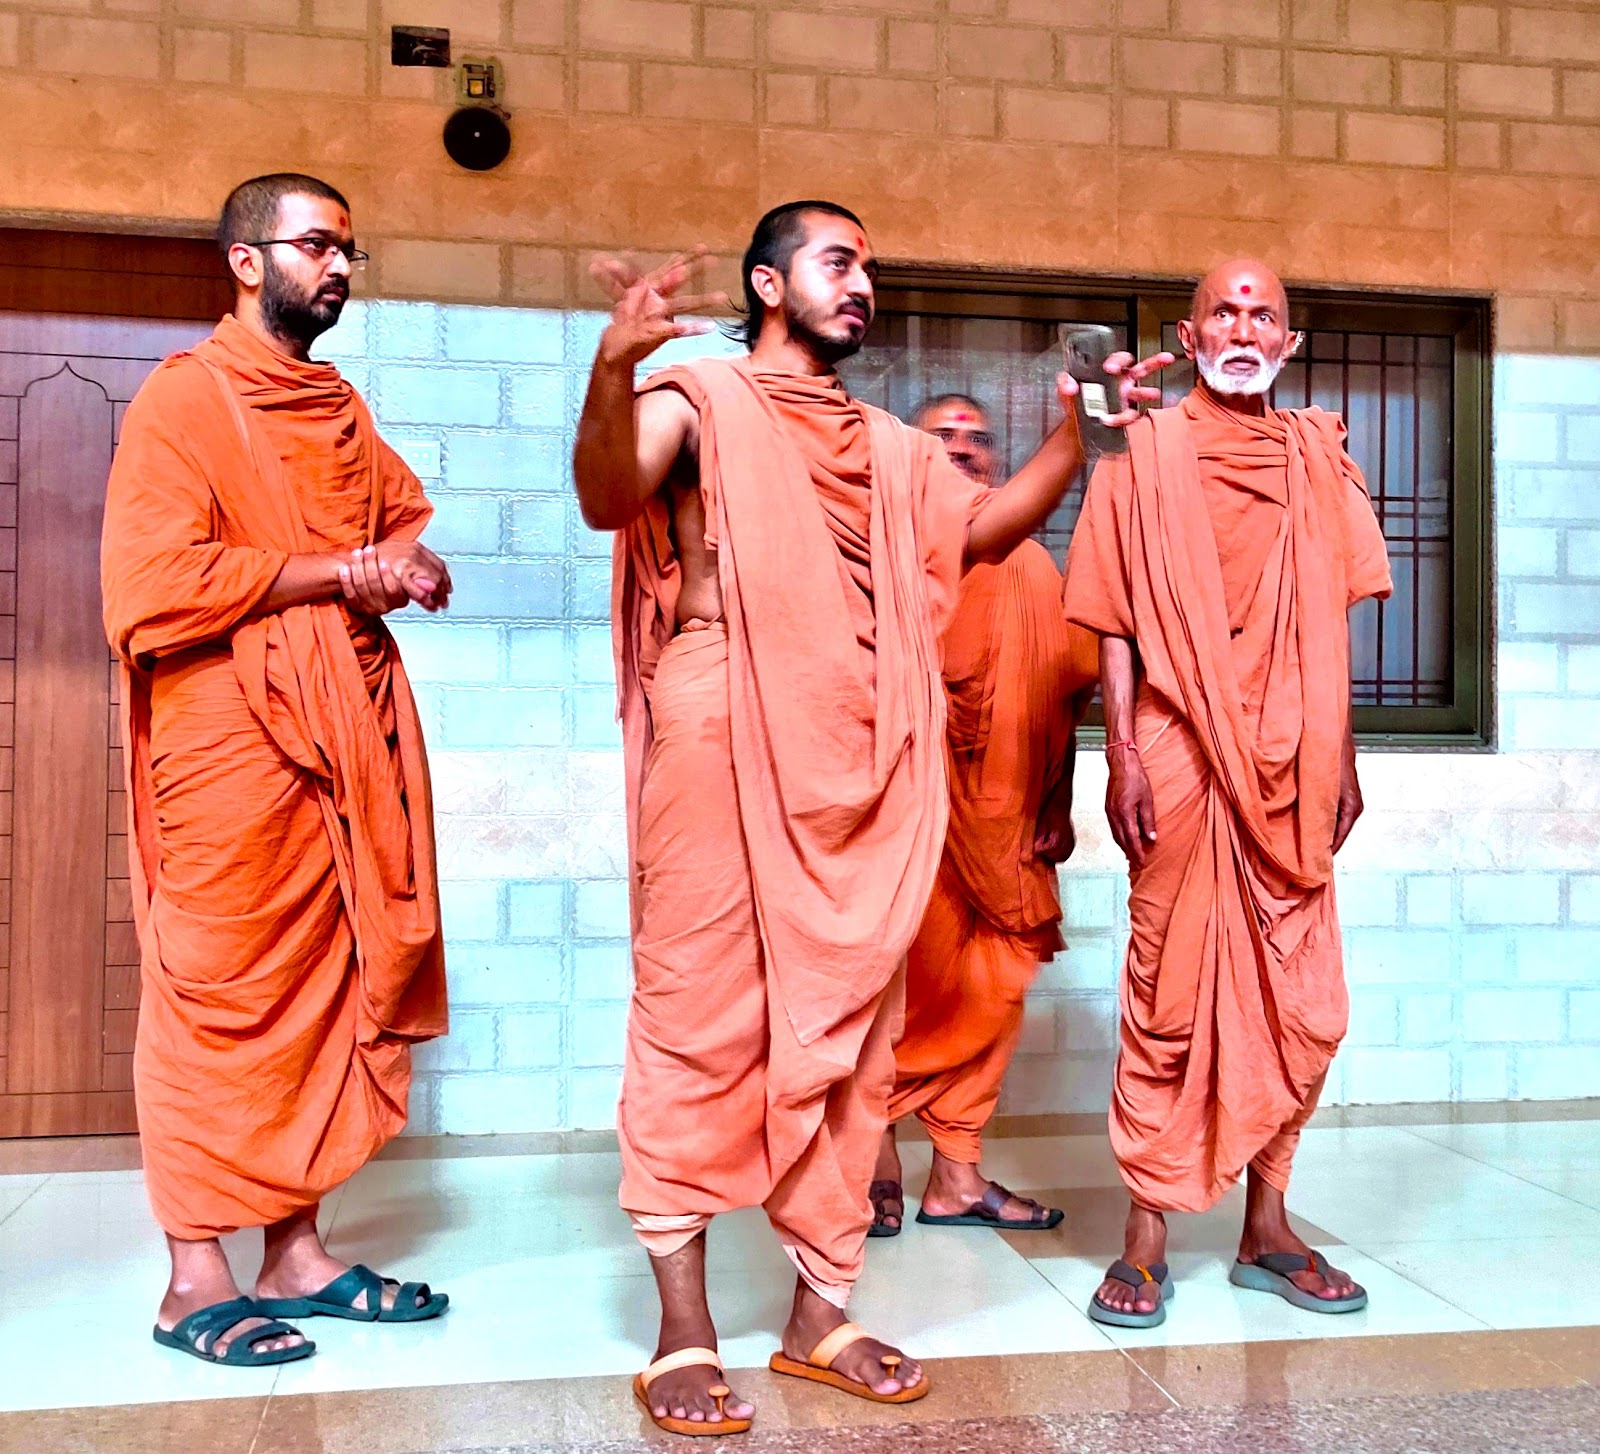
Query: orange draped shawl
[[1233, 993], [282, 852], [838, 729]]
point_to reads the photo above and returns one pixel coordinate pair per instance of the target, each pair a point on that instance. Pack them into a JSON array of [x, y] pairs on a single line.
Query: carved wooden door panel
[[69, 961]]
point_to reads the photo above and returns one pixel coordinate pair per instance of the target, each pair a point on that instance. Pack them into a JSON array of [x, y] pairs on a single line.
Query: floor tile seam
[[1427, 1291], [1127, 1353], [1503, 1170], [266, 1403], [44, 1180], [1061, 1294]]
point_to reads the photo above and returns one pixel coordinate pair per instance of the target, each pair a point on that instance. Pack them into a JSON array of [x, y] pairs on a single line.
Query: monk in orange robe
[[1019, 679], [1226, 681], [257, 530], [785, 561]]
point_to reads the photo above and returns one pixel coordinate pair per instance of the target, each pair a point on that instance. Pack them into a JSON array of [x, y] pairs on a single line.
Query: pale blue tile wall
[[1473, 947]]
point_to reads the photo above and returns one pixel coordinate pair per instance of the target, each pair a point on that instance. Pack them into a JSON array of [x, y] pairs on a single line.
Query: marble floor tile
[[15, 1190], [1560, 1156], [1505, 1282]]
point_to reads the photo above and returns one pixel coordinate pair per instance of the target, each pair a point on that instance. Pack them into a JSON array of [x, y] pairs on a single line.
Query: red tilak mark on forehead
[[1245, 288], [963, 418]]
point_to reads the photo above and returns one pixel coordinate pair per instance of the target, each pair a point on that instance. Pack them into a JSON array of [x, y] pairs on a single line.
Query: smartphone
[[1085, 348]]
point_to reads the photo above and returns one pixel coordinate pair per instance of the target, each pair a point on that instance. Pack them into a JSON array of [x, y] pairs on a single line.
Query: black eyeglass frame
[[352, 254]]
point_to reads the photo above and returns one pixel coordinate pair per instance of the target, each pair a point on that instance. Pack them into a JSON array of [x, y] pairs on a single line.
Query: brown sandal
[[881, 1194], [692, 1428], [819, 1368]]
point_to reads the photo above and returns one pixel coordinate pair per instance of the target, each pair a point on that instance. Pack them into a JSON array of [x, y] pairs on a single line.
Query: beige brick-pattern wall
[[1416, 143]]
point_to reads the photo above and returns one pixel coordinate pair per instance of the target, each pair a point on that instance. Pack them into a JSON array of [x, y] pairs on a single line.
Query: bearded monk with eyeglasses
[[257, 532]]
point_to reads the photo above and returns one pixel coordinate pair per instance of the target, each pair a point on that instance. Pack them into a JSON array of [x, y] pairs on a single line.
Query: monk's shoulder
[[1039, 565], [698, 380], [179, 393], [1321, 422]]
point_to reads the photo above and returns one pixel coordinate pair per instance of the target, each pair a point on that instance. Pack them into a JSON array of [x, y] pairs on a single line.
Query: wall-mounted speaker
[[477, 138]]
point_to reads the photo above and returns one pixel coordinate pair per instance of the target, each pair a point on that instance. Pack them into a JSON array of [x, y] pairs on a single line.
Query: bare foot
[[201, 1278], [814, 1317], [685, 1393], [1144, 1243], [1267, 1229], [956, 1187]]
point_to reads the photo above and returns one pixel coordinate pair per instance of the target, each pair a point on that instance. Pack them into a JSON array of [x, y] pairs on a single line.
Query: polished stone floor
[[1472, 1236]]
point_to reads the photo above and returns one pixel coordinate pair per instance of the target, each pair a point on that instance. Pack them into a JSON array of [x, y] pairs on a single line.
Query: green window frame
[[1459, 713]]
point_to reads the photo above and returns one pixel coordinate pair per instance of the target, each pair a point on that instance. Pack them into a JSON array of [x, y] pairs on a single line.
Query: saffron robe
[[1233, 994], [280, 817], [786, 807]]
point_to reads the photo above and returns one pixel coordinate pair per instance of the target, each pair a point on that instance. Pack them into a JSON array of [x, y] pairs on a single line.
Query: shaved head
[[1237, 331], [1249, 276]]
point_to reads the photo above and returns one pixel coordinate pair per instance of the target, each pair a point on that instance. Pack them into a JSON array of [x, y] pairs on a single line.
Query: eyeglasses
[[977, 438], [318, 249]]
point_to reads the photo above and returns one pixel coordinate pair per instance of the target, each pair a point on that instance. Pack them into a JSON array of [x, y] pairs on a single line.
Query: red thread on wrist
[[1126, 742]]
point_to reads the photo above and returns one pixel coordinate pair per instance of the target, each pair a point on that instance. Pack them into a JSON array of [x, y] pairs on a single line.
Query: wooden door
[[83, 320]]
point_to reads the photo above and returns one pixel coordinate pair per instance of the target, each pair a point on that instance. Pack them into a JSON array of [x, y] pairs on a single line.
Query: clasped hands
[[384, 577]]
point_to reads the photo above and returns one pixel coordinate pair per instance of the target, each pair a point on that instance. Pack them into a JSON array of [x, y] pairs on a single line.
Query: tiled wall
[[1470, 893], [1449, 143]]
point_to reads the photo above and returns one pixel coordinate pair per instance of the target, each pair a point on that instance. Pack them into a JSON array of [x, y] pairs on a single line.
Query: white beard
[[1221, 382]]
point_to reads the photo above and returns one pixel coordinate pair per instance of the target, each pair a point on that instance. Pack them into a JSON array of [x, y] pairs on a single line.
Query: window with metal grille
[[1407, 374]]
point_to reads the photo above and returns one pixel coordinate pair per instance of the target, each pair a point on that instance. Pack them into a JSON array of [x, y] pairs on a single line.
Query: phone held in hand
[[1086, 347]]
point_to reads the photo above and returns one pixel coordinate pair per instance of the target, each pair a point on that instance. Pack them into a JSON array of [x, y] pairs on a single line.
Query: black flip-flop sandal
[[881, 1194], [197, 1336], [1135, 1277], [1271, 1273], [986, 1213]]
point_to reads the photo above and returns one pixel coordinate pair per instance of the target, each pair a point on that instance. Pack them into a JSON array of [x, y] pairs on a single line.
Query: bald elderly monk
[[1226, 681], [786, 558], [1019, 679], [257, 532]]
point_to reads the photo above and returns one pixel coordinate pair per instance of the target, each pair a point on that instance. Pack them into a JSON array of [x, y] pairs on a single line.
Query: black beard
[[289, 314], [825, 350]]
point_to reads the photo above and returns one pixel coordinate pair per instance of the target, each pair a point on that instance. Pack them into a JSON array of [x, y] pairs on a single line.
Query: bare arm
[[1019, 507], [626, 447], [1130, 805]]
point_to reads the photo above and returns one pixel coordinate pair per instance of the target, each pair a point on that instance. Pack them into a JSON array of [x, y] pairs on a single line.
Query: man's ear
[[1295, 343], [768, 284], [1186, 338], [244, 262]]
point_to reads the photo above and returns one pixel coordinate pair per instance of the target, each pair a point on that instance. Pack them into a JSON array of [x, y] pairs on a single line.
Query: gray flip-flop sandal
[[1270, 1273], [1135, 1277]]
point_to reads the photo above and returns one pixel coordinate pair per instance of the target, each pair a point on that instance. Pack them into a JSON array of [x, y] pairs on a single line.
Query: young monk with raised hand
[[257, 531], [786, 559], [1226, 682], [1019, 678]]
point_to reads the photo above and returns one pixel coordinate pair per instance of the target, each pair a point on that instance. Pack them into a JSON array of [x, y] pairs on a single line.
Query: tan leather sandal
[[691, 1428], [819, 1368]]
